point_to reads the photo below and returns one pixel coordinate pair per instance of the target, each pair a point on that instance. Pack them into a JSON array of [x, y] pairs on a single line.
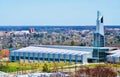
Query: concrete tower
[[99, 38]]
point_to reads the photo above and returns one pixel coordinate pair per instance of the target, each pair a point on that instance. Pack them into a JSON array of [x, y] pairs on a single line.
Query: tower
[[99, 38]]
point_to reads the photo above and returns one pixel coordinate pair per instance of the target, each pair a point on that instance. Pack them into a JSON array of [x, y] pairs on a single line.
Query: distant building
[[1, 46], [31, 30], [5, 53], [21, 32]]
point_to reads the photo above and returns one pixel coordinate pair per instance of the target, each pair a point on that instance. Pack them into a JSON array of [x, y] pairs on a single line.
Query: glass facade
[[25, 56], [100, 54], [99, 40]]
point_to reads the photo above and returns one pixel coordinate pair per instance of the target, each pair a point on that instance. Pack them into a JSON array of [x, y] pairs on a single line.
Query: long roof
[[50, 50], [84, 48], [115, 53]]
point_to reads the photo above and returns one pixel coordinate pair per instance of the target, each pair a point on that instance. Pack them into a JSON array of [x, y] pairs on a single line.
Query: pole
[[98, 55], [75, 68]]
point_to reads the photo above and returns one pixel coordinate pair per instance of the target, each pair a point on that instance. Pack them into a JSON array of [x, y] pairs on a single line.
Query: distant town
[[17, 37]]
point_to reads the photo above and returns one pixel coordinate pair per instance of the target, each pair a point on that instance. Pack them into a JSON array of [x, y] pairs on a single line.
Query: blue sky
[[58, 12]]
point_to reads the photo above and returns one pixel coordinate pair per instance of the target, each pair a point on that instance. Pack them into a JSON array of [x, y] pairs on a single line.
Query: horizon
[[61, 12], [51, 25]]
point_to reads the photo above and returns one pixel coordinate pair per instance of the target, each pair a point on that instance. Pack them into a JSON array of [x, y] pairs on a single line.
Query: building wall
[[50, 57], [99, 40], [100, 54], [113, 59]]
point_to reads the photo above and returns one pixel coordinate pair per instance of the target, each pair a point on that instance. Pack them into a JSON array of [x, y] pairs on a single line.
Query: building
[[31, 30], [45, 53], [96, 57], [99, 40], [113, 57], [5, 53], [101, 54]]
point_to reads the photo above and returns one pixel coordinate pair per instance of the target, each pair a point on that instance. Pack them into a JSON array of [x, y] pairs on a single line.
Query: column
[[53, 57], [38, 57], [19, 56], [113, 58], [48, 57], [24, 56], [33, 57], [58, 57], [107, 58], [76, 58], [70, 58], [10, 56], [64, 57], [43, 57], [14, 56], [28, 57], [82, 59]]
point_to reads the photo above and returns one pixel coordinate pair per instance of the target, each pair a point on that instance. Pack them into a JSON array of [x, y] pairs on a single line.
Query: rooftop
[[56, 49], [80, 48], [50, 50], [115, 53]]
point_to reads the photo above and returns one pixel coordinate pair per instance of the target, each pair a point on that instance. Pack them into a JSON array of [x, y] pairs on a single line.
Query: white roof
[[21, 32], [50, 50], [79, 47], [116, 53]]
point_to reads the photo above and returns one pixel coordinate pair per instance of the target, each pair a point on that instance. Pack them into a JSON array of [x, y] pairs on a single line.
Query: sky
[[58, 12]]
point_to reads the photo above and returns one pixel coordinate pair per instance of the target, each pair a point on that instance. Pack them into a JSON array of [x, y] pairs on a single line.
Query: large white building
[[45, 53]]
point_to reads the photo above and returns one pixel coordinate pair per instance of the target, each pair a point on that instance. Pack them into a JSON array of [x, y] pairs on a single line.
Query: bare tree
[[98, 71], [55, 67], [1, 57]]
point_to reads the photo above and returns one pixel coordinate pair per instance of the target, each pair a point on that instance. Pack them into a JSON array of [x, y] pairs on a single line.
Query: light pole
[[75, 68]]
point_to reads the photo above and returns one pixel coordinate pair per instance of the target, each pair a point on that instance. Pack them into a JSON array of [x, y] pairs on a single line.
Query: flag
[[101, 19]]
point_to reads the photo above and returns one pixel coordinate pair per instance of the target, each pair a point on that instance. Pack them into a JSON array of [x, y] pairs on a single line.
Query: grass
[[118, 73], [106, 65], [15, 66]]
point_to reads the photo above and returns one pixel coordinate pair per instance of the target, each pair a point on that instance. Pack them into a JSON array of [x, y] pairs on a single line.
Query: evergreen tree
[[72, 43], [45, 68]]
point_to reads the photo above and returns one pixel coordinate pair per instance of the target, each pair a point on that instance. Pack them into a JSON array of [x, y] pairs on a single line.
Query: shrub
[[98, 71]]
